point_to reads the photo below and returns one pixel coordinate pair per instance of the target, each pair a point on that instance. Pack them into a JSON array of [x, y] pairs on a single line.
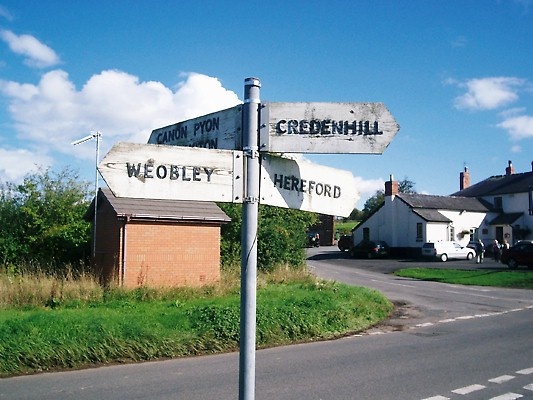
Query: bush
[[281, 236]]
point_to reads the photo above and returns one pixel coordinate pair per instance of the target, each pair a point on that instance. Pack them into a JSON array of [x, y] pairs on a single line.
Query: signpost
[[218, 130], [221, 172], [167, 172], [302, 185], [364, 128]]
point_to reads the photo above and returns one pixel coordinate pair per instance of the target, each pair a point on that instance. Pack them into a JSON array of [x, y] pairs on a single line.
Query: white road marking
[[437, 398], [424, 324], [529, 387], [526, 371], [501, 379], [468, 389], [507, 396], [392, 283]]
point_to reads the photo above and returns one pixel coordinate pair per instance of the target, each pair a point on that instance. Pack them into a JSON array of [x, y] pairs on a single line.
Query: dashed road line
[[507, 396], [497, 380], [526, 371], [468, 389], [501, 379], [467, 317]]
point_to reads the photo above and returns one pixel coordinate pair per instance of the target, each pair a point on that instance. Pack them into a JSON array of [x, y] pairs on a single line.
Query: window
[[452, 233], [498, 203], [419, 232], [366, 233]]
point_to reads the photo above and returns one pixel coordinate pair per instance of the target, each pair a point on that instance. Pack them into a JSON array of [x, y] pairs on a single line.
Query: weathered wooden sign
[[302, 185], [173, 173], [326, 128], [219, 130]]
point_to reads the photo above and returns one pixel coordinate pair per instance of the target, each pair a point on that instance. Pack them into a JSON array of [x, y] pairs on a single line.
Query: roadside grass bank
[[67, 324], [508, 279]]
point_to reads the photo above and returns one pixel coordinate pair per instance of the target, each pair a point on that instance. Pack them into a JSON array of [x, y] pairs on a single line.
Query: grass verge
[[145, 324], [509, 279]]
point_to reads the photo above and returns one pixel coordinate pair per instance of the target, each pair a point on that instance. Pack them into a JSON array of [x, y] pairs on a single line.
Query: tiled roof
[[506, 219], [160, 209], [498, 185], [442, 202], [431, 215]]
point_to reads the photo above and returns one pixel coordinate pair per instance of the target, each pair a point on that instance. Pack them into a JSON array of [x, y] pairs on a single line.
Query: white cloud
[[367, 188], [53, 113], [11, 167], [37, 54], [489, 93], [519, 127]]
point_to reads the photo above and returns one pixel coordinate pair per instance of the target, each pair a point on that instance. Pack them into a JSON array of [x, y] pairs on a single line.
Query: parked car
[[370, 249], [313, 239], [345, 242], [519, 254], [447, 250]]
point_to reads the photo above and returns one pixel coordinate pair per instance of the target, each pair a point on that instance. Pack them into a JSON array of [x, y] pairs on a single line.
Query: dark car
[[313, 239], [519, 254], [345, 242], [370, 249]]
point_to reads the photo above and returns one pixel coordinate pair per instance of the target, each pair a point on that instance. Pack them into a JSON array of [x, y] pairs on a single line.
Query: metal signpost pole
[[249, 239]]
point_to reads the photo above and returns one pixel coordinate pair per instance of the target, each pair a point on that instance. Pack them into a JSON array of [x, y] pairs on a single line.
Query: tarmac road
[[453, 342]]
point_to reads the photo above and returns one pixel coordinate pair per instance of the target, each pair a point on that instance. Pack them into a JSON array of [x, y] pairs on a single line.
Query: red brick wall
[[108, 245], [155, 253], [165, 254]]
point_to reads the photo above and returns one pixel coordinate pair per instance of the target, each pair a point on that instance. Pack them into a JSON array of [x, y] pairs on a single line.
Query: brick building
[[156, 242]]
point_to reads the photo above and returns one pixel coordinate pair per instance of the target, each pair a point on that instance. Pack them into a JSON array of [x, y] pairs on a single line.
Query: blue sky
[[456, 75]]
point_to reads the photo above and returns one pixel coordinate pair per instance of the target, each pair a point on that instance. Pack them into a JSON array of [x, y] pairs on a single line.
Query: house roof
[[506, 219], [499, 184], [160, 209], [431, 215], [419, 201]]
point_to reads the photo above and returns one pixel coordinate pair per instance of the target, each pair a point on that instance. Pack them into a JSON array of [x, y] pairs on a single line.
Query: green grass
[[147, 324], [345, 227], [509, 279]]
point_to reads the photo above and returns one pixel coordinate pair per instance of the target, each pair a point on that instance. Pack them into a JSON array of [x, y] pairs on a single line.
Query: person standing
[[480, 250], [496, 250]]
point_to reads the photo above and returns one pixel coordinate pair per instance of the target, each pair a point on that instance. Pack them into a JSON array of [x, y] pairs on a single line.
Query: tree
[[42, 221], [281, 236], [372, 203], [355, 215]]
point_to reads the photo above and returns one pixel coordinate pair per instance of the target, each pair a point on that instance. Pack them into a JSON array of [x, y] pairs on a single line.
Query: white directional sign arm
[[302, 185], [326, 128], [173, 173]]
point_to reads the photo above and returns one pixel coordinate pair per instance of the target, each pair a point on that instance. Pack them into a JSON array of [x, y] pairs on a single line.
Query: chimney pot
[[391, 187], [464, 179], [510, 169]]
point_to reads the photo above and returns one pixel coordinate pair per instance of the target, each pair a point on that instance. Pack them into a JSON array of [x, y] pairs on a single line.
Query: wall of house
[[108, 244], [463, 221], [376, 225], [170, 254], [511, 203]]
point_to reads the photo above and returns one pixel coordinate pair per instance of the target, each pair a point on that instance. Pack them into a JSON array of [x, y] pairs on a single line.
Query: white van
[[447, 250]]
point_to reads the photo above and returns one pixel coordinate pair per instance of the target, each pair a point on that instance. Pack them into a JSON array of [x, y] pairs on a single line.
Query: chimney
[[464, 179], [391, 187], [510, 169]]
